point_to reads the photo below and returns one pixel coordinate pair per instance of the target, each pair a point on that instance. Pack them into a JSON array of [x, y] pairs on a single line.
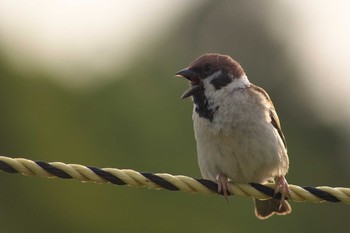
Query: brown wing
[[273, 115]]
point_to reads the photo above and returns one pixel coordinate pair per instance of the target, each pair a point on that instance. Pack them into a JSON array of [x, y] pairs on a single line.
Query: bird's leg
[[223, 185], [283, 188]]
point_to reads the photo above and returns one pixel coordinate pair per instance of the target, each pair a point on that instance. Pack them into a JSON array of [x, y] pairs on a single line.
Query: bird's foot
[[283, 188], [223, 185]]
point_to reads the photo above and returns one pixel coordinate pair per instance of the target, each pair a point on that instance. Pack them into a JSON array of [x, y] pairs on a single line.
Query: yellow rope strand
[[163, 180]]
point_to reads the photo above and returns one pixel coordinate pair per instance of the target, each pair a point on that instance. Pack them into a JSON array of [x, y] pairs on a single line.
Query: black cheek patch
[[221, 81]]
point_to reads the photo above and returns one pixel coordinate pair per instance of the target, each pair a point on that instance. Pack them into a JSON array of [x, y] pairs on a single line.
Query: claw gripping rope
[[166, 181]]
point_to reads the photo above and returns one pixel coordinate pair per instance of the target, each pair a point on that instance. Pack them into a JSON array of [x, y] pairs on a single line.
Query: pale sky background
[[73, 41], [76, 40], [321, 41]]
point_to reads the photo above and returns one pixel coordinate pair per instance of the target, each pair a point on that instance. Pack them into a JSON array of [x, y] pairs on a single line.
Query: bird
[[237, 131]]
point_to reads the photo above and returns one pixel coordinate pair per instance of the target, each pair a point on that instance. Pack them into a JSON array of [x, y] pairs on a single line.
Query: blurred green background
[[132, 117]]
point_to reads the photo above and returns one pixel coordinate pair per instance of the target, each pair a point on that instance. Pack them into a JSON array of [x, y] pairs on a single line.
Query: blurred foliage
[[139, 122]]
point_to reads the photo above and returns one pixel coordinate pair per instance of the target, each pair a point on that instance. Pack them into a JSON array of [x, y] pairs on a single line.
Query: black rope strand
[[7, 168], [107, 176], [322, 194], [160, 181], [266, 190], [210, 185], [53, 170]]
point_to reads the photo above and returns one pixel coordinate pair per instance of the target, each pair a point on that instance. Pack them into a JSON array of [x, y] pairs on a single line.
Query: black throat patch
[[202, 107]]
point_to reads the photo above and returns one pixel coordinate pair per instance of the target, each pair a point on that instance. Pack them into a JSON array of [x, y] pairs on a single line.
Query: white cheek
[[239, 83], [212, 93], [209, 88]]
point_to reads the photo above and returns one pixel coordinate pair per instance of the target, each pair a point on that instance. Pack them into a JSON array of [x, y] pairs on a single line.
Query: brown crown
[[219, 61]]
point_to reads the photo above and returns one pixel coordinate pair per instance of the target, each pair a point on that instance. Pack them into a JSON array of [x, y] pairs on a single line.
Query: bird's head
[[212, 72]]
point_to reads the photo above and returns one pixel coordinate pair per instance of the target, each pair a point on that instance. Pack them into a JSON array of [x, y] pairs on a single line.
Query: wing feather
[[272, 112]]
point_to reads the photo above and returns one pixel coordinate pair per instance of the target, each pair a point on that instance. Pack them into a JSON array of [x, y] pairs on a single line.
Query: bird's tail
[[265, 209]]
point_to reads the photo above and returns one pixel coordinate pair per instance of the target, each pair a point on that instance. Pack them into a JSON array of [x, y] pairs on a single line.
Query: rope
[[166, 181]]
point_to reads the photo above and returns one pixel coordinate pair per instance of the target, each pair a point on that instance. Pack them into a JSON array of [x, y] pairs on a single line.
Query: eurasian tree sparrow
[[238, 133]]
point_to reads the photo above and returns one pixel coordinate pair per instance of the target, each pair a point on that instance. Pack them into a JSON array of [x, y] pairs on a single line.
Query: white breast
[[245, 147]]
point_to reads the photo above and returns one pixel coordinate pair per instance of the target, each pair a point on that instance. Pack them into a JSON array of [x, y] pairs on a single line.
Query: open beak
[[193, 77]]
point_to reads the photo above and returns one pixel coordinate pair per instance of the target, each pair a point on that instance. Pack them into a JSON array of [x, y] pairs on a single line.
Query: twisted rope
[[165, 181]]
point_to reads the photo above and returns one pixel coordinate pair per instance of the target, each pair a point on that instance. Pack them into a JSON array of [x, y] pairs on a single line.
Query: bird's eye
[[207, 68]]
